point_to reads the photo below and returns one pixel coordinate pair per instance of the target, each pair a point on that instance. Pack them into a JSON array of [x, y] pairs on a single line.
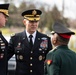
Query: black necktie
[[31, 43]]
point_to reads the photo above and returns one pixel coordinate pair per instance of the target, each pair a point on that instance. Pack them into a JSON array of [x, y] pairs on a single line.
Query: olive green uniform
[[60, 61]]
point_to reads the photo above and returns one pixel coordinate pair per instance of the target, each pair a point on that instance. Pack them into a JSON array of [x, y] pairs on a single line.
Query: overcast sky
[[69, 5]]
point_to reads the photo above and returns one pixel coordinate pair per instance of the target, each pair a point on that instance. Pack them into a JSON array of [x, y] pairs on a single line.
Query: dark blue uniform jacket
[[3, 55], [29, 61]]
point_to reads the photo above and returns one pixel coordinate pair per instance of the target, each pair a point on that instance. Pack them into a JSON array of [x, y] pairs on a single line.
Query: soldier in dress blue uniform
[[3, 43], [61, 60], [30, 59]]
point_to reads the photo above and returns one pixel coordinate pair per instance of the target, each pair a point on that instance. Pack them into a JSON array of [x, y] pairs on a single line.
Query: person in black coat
[[30, 46], [61, 60], [3, 43]]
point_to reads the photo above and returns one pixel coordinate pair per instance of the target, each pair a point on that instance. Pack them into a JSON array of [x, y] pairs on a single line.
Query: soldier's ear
[[55, 38], [24, 21]]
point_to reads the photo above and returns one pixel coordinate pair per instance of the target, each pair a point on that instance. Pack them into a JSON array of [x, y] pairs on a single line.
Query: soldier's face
[[31, 26], [3, 20], [54, 39]]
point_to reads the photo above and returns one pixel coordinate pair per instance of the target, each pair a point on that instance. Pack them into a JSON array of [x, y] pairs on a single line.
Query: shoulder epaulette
[[13, 34], [53, 49]]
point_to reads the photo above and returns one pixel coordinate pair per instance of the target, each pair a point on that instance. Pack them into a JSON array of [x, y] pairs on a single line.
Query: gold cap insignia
[[34, 12], [13, 34], [52, 32]]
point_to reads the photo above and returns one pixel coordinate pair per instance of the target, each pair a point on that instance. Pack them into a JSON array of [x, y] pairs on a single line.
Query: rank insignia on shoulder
[[48, 62], [12, 34], [38, 38], [53, 49]]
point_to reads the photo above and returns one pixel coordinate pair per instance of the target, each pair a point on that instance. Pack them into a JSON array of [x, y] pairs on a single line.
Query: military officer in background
[[61, 60], [3, 43], [30, 46]]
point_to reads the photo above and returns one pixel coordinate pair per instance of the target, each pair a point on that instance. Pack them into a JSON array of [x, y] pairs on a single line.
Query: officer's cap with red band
[[62, 30]]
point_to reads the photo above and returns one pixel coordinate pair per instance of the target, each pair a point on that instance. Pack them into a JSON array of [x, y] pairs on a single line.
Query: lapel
[[37, 41], [24, 39], [25, 42]]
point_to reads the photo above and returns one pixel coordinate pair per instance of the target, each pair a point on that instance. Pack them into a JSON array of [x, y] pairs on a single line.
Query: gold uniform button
[[21, 57], [30, 70], [31, 51], [40, 57], [40, 49], [3, 50], [31, 58], [30, 64], [43, 52]]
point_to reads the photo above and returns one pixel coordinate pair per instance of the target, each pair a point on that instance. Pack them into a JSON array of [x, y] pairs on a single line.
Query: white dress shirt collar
[[34, 35]]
